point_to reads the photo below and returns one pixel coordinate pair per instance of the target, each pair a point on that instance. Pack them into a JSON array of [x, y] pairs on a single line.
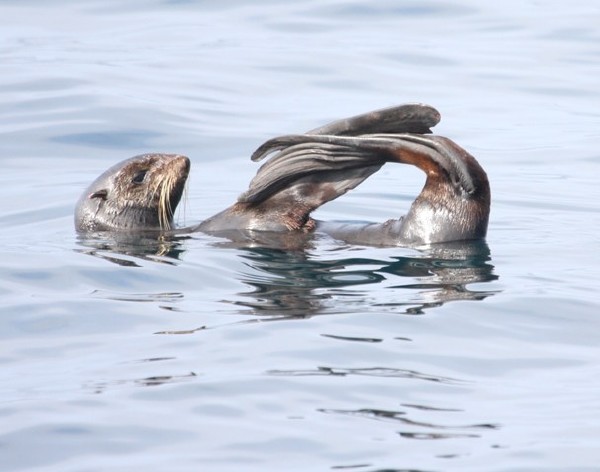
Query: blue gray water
[[195, 355]]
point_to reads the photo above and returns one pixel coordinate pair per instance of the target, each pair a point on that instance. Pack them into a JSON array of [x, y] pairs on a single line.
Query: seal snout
[[171, 175], [180, 162]]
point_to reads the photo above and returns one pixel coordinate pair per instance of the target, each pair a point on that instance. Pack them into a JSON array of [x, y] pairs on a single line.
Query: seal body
[[302, 173], [140, 193]]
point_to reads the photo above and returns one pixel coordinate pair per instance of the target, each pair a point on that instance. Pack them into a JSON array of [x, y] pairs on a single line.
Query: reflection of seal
[[140, 193], [311, 169]]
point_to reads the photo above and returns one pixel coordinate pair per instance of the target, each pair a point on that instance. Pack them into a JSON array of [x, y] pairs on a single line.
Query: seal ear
[[102, 194]]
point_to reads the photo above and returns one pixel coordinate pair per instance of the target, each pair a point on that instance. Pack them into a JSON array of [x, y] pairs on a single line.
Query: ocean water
[[195, 354]]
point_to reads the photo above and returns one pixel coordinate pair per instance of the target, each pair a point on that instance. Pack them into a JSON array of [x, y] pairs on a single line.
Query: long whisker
[[165, 212], [185, 199], [161, 204]]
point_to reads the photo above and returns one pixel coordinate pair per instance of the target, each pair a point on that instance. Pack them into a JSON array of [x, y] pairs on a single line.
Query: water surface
[[199, 355]]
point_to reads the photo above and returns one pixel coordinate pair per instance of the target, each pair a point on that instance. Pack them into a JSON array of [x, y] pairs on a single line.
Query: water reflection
[[124, 249], [431, 430], [152, 381], [292, 283], [382, 372], [289, 280]]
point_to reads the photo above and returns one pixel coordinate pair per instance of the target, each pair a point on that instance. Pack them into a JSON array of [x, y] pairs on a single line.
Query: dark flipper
[[435, 155], [292, 184], [329, 161], [307, 173], [410, 118], [301, 169], [453, 205]]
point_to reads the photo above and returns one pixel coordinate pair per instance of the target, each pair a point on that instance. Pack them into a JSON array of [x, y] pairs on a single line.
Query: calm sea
[[196, 355]]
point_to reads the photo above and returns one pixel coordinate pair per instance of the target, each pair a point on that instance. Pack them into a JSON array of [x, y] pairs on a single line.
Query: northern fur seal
[[140, 193], [310, 169]]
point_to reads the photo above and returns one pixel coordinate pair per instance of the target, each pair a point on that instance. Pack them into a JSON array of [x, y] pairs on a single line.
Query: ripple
[[500, 371], [382, 372], [151, 381], [170, 297]]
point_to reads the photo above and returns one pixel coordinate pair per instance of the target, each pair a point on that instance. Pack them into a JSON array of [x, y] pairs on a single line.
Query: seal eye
[[139, 177]]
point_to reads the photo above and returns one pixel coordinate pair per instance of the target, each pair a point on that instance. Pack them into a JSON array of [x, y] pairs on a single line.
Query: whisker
[[164, 211], [185, 199]]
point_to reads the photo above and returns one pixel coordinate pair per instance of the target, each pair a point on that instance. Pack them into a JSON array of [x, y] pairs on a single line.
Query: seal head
[[140, 193]]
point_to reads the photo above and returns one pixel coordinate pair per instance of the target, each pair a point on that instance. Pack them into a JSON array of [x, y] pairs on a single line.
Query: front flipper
[[292, 184]]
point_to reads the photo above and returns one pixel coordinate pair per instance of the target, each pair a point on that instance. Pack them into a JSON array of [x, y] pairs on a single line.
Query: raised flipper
[[410, 118], [435, 155], [331, 161], [299, 179], [288, 187], [316, 172], [453, 205]]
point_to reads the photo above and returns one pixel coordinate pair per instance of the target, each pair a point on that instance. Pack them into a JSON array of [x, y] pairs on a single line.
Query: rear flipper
[[305, 175], [453, 205], [410, 118]]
